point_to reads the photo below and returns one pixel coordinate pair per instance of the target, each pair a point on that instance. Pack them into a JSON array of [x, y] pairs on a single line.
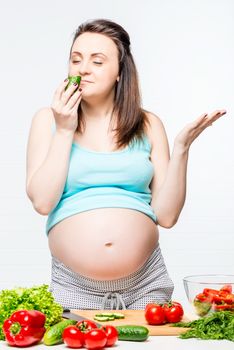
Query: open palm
[[192, 130]]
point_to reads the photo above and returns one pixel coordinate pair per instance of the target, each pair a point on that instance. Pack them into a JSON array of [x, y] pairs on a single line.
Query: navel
[[109, 244]]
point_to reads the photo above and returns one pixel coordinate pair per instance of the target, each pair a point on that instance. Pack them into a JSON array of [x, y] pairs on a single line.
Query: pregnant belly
[[104, 244]]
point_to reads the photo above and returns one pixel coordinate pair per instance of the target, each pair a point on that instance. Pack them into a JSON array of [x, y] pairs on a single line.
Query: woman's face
[[95, 58]]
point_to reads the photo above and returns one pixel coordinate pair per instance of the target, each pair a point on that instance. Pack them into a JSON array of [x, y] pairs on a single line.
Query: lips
[[85, 81]]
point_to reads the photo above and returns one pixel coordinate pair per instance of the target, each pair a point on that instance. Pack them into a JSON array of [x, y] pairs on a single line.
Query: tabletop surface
[[154, 342]]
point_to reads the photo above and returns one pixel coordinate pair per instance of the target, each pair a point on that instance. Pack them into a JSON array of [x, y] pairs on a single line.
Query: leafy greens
[[219, 325]]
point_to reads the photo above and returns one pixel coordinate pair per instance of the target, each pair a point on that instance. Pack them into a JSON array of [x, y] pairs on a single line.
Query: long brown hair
[[131, 118]]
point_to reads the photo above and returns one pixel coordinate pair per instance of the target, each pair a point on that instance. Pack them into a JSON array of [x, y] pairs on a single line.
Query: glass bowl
[[210, 293]]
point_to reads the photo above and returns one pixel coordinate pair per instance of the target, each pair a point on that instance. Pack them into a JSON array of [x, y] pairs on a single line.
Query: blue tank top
[[118, 179]]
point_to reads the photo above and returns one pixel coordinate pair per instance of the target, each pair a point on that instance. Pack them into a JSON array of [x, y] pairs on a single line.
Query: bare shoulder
[[42, 124], [45, 115], [155, 128]]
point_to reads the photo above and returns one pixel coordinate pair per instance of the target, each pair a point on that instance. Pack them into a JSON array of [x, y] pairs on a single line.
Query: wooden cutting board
[[134, 317]]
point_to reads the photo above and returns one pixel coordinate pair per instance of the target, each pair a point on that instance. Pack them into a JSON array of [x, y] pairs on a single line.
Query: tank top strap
[[141, 144]]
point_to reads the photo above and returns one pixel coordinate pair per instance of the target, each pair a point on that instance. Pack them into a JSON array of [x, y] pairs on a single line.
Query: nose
[[84, 68]]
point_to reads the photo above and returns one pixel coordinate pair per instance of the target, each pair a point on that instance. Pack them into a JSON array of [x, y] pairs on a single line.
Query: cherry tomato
[[154, 314], [111, 333], [73, 337], [95, 339], [86, 325], [173, 312]]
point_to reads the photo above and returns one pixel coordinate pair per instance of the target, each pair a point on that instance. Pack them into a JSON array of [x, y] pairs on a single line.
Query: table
[[153, 343]]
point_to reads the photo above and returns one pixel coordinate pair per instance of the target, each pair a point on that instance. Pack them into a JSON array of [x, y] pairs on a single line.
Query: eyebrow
[[93, 54]]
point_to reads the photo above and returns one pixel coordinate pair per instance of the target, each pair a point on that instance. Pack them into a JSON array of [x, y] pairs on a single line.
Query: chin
[[86, 96]]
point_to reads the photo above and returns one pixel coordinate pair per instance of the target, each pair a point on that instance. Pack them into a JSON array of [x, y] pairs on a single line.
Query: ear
[[117, 79]]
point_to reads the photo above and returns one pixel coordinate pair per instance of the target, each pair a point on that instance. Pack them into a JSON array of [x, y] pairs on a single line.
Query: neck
[[96, 112], [97, 109]]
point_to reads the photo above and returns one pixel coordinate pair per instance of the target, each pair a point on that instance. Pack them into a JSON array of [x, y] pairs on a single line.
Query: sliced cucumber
[[107, 316], [118, 315], [104, 318], [101, 319]]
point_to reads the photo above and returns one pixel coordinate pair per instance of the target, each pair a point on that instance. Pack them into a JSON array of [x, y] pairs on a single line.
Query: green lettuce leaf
[[219, 325]]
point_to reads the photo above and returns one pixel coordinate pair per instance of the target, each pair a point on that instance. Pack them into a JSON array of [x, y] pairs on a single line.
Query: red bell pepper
[[204, 298], [219, 296], [223, 307], [228, 298], [24, 327], [211, 292], [227, 288]]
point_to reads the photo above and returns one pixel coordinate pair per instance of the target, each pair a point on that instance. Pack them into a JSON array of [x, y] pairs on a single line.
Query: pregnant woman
[[98, 165]]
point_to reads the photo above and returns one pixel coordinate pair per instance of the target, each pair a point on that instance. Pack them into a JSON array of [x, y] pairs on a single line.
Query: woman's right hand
[[65, 106]]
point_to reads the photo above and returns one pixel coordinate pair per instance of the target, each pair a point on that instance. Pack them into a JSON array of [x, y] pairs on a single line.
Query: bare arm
[[45, 186], [48, 155], [171, 197], [169, 183]]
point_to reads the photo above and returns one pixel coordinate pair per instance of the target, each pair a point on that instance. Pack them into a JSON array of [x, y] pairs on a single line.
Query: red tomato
[[154, 314], [149, 305], [95, 339], [86, 325], [73, 337], [111, 333], [173, 312], [227, 288]]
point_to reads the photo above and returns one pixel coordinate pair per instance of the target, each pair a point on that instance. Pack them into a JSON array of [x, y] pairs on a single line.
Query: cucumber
[[104, 318], [118, 315], [107, 316], [132, 333], [53, 335], [73, 79]]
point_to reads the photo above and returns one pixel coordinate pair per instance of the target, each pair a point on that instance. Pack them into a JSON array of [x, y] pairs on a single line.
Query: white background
[[184, 53]]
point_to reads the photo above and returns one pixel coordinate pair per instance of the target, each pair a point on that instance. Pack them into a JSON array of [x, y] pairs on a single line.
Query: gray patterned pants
[[150, 283]]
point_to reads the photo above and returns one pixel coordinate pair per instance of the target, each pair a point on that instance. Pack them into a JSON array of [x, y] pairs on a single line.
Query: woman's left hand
[[191, 131]]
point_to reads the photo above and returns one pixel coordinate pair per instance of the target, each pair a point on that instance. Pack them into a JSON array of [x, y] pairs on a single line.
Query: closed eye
[[99, 63]]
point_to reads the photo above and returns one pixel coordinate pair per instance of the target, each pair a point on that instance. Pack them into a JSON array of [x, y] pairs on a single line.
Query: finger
[[75, 108], [74, 99], [60, 89], [201, 126], [223, 111], [213, 117], [66, 95], [197, 122], [214, 114], [202, 117], [201, 123], [217, 113]]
